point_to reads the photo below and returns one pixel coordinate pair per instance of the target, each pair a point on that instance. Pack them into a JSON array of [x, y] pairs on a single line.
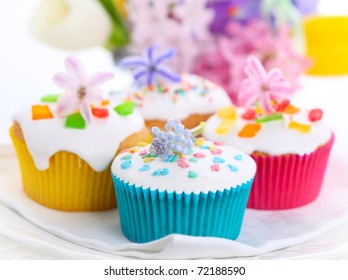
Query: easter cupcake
[[66, 143], [182, 185], [290, 145], [163, 94]]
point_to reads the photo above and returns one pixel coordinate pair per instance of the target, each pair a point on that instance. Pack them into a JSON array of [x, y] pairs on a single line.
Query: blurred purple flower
[[149, 68], [306, 6]]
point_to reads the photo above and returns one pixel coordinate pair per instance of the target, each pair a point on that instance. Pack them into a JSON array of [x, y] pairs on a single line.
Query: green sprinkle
[[125, 108], [150, 155], [272, 117], [75, 121], [126, 157], [192, 174], [193, 159], [50, 98]]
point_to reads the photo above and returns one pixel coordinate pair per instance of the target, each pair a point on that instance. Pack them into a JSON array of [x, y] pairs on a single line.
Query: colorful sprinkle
[[189, 151], [193, 159], [199, 141], [148, 159], [225, 126], [125, 108], [100, 112], [39, 112], [142, 144], [282, 105], [228, 112], [238, 157], [233, 168], [143, 153], [183, 164], [105, 102], [315, 115], [192, 174], [144, 168], [291, 110], [133, 150], [172, 158], [269, 118], [218, 143], [217, 151], [303, 128], [249, 115], [125, 157], [50, 98], [218, 160], [75, 121], [204, 147], [212, 147], [215, 167], [126, 164], [161, 172], [249, 130], [199, 155]]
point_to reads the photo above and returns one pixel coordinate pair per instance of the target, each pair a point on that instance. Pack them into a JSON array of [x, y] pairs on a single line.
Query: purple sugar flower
[[149, 68]]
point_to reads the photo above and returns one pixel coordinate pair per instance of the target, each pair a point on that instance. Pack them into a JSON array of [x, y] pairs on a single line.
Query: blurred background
[[212, 39]]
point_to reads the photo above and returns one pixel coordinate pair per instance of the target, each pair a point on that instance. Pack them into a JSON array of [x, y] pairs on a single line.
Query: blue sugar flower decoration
[[149, 68], [176, 139]]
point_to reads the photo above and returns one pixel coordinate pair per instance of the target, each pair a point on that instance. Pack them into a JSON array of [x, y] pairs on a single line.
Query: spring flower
[[149, 68], [71, 24], [81, 91], [176, 139], [262, 86]]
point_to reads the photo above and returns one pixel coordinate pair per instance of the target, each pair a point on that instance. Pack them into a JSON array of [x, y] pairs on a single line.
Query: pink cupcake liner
[[288, 181]]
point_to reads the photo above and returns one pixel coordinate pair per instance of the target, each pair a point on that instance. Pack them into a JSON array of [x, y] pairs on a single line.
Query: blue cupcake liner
[[147, 215]]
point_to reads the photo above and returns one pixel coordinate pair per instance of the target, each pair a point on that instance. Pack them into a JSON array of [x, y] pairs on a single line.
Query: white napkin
[[98, 235], [262, 231]]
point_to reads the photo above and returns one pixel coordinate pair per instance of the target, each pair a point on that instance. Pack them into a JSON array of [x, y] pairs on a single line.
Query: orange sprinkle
[[39, 112], [133, 150], [304, 128], [105, 102], [291, 110], [249, 130]]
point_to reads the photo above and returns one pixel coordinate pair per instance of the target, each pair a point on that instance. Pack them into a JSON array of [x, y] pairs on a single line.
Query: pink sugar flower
[[81, 91], [262, 86]]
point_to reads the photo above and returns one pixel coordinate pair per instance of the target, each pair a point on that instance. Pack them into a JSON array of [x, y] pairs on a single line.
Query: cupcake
[[182, 185], [65, 143], [290, 145], [162, 94]]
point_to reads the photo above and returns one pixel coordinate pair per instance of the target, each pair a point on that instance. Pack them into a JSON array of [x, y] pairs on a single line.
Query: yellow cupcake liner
[[327, 44], [69, 183]]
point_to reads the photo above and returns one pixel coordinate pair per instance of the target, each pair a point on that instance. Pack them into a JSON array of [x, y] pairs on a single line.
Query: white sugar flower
[[71, 24]]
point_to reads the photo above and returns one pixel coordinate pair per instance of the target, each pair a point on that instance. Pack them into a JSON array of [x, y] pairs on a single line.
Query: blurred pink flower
[[262, 87], [170, 23], [80, 90]]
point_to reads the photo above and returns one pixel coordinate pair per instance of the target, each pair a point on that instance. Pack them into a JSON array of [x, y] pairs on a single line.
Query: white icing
[[177, 179], [160, 106], [274, 138], [97, 143]]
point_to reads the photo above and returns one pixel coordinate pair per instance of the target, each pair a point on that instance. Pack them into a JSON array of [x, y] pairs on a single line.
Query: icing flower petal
[[76, 69], [65, 81], [67, 104], [98, 79], [85, 110], [149, 69]]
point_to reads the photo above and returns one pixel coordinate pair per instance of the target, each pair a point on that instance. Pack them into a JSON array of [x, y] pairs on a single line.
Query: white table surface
[[26, 69]]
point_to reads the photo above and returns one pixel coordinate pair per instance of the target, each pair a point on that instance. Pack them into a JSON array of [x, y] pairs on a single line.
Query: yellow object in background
[[327, 44], [121, 7]]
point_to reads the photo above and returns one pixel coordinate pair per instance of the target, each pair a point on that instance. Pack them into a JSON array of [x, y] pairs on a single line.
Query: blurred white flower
[[71, 24]]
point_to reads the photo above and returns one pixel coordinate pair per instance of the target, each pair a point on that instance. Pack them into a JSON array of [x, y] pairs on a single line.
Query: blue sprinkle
[[175, 158], [169, 158], [233, 168], [238, 157], [204, 147], [144, 168], [193, 159], [161, 172], [218, 160], [126, 157], [126, 164]]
